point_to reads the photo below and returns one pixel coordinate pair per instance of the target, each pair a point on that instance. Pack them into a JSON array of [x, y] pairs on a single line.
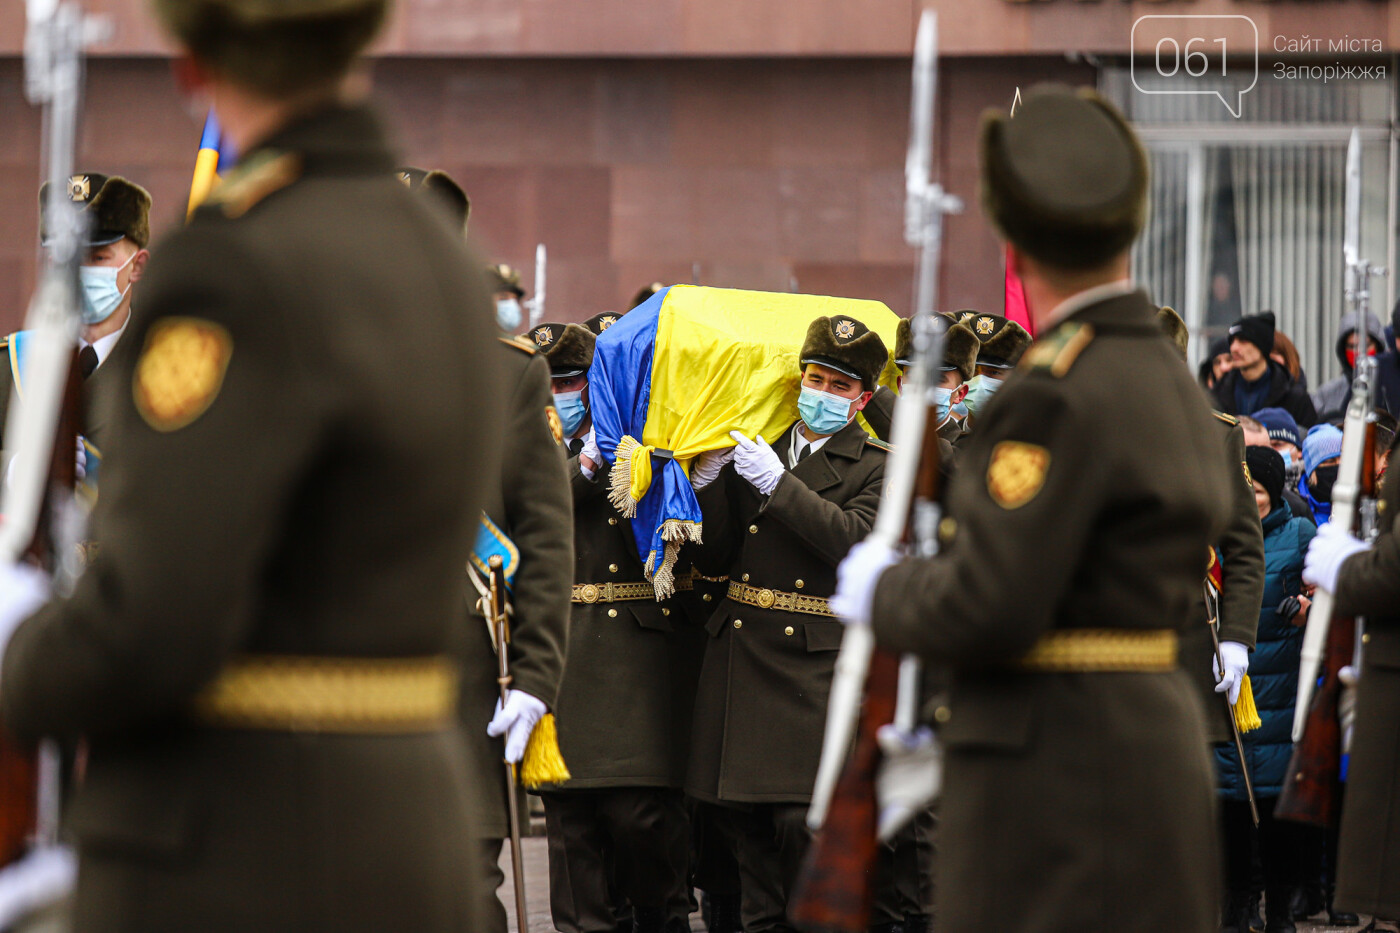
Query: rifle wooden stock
[[1313, 782], [1314, 771], [19, 768], [836, 887]]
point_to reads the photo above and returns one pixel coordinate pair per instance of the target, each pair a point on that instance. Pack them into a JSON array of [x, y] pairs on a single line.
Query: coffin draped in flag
[[674, 376]]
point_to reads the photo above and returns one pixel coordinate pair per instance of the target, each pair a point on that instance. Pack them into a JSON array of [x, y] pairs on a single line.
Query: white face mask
[[100, 293], [508, 313]]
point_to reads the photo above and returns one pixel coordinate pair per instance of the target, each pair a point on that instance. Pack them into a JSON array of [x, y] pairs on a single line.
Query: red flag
[[1016, 309]]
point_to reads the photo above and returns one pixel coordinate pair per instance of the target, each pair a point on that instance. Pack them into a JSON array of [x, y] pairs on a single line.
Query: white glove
[[756, 462], [516, 720], [23, 589], [1328, 551], [707, 466], [910, 776], [589, 453], [856, 577], [1236, 658]]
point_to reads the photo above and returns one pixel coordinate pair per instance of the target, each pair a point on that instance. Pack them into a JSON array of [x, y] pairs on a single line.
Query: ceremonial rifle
[[836, 887], [496, 615], [42, 519], [1310, 786]]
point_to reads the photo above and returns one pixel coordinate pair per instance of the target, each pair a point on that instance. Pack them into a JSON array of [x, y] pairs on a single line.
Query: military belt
[[1095, 649], [589, 593], [331, 694], [779, 600]]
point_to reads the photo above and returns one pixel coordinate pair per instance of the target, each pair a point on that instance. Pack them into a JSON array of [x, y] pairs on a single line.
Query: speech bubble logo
[[1185, 54]]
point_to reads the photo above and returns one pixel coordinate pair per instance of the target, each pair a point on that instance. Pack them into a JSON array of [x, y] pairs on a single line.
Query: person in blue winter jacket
[[1322, 451], [1273, 671]]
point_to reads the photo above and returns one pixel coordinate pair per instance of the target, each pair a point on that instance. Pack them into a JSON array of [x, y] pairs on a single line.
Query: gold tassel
[[1246, 713], [543, 762], [620, 478]]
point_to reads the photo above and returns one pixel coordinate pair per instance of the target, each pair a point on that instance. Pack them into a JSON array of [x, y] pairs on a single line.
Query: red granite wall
[[760, 173]]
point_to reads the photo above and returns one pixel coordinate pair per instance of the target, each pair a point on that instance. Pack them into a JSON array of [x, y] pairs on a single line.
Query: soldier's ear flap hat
[[115, 207], [846, 345], [960, 347], [601, 322], [1065, 180], [444, 191], [903, 343], [1174, 327], [568, 348], [504, 278], [1003, 340], [645, 292]]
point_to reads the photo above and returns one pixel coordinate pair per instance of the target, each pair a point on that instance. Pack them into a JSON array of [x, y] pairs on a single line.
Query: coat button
[[612, 521], [942, 714], [788, 630], [1366, 638], [612, 613], [946, 529], [753, 529], [738, 623], [706, 597], [798, 583], [612, 568], [745, 578], [665, 612]]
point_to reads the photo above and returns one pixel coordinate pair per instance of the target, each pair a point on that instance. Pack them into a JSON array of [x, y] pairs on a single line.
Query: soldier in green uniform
[[1365, 581], [1003, 341], [528, 521], [776, 521], [1077, 791], [119, 231], [259, 658], [1240, 550], [618, 830], [959, 361]]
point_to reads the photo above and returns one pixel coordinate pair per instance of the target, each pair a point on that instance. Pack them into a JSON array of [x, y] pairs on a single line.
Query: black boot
[[1256, 919], [1278, 914], [1308, 901], [1339, 918], [1235, 916], [722, 913]]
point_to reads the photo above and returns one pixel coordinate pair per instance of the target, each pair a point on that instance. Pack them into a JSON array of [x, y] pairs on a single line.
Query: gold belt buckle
[[589, 593], [766, 598]]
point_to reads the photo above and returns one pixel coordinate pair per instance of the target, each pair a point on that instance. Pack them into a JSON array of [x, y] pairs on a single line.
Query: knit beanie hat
[[1257, 329], [1280, 425], [1266, 468], [1323, 442]]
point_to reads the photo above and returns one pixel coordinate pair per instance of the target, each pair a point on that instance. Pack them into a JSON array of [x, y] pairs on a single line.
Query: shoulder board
[[250, 183], [1231, 420], [1057, 351], [879, 444], [519, 343]]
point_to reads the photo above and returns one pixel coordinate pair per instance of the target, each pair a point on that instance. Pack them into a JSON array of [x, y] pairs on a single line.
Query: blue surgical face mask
[[572, 409], [1287, 456], [961, 410], [100, 293], [941, 400], [508, 314], [823, 412], [980, 392]]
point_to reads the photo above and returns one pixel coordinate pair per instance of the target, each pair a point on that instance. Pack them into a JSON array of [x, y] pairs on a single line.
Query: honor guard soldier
[[1240, 551], [1365, 582], [777, 520], [1077, 790], [259, 660], [601, 322], [959, 361], [528, 521], [618, 829], [508, 293], [1002, 342], [119, 230]]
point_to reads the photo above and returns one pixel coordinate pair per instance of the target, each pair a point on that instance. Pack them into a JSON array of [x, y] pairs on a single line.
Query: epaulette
[[878, 444], [519, 343], [1231, 420], [267, 172], [1056, 352]]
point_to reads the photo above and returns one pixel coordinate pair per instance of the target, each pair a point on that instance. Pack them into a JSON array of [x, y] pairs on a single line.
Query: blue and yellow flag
[[215, 156], [676, 374]]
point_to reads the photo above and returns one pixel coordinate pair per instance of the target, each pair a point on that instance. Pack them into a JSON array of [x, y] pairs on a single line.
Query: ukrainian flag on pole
[[215, 156]]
